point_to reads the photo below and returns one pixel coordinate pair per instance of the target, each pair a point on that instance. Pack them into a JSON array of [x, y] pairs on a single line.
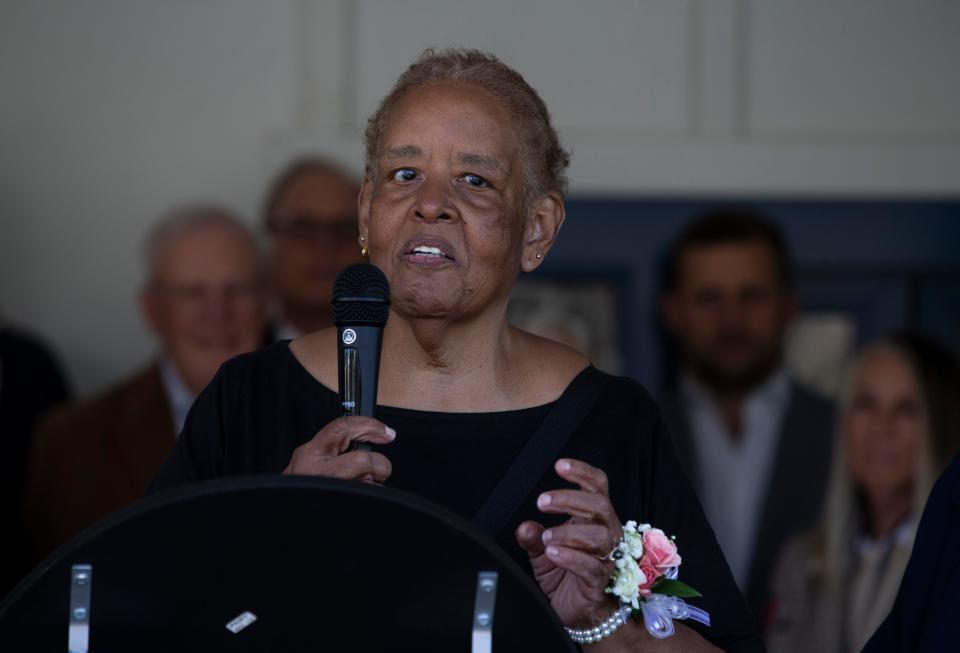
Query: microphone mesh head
[[361, 296]]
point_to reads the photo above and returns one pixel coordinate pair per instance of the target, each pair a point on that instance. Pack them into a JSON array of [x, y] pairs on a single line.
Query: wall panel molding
[[698, 96], [856, 72]]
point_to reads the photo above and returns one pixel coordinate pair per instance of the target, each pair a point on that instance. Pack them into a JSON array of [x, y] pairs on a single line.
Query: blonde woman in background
[[898, 428]]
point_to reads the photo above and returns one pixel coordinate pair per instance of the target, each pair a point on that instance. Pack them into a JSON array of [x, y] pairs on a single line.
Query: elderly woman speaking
[[464, 189]]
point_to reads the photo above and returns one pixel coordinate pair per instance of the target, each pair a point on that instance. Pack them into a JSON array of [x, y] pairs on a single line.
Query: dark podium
[[273, 563]]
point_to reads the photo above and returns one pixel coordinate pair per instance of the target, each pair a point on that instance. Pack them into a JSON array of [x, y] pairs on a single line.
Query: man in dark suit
[[204, 300], [755, 443]]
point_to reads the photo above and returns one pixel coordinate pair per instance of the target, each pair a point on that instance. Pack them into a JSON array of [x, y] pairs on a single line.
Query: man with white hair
[[204, 301]]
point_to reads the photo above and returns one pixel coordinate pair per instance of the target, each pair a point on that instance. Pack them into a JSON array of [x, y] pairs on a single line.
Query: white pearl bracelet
[[602, 631]]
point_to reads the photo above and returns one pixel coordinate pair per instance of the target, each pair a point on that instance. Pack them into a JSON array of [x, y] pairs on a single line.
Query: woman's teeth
[[430, 251]]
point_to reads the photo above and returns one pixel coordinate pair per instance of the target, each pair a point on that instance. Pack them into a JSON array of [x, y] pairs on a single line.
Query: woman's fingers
[[587, 506], [530, 537], [335, 437], [355, 465], [589, 478], [363, 466], [595, 539], [327, 453], [578, 546], [591, 571]]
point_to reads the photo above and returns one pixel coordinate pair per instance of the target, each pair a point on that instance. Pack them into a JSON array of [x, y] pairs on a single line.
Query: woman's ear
[[543, 224]]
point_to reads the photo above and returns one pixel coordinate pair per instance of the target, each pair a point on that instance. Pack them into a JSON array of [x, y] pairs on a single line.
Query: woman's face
[[443, 211], [884, 425]]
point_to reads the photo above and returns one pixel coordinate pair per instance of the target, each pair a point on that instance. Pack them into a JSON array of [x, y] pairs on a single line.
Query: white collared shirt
[[178, 396], [735, 473]]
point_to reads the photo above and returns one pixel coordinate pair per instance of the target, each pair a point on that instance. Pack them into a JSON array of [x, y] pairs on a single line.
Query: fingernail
[[543, 501], [553, 551], [547, 536], [390, 432], [564, 466]]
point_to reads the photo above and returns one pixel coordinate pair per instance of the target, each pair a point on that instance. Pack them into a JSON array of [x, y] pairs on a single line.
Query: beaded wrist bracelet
[[602, 631]]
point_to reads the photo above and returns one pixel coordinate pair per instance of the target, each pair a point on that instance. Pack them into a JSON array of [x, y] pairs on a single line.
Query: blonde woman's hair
[[937, 376]]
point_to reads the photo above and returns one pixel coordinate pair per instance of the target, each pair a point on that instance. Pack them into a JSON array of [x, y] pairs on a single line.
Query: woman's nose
[[885, 425], [433, 201]]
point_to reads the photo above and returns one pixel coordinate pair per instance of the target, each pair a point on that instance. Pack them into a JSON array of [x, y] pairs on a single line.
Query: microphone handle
[[358, 357]]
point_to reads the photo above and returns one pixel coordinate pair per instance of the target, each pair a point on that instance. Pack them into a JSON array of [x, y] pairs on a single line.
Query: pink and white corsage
[[645, 578]]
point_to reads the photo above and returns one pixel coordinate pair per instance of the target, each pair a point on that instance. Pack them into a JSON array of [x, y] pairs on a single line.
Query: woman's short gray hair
[[544, 159]]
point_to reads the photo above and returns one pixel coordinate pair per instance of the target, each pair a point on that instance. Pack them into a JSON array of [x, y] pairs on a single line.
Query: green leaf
[[674, 588]]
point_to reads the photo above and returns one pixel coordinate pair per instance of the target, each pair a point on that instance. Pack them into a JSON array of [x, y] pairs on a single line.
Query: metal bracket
[[81, 580], [483, 606]]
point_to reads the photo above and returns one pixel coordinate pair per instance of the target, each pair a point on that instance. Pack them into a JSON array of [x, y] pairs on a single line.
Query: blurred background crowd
[[763, 232]]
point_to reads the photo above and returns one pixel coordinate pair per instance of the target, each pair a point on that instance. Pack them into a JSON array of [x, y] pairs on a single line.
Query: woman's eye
[[476, 181], [405, 174]]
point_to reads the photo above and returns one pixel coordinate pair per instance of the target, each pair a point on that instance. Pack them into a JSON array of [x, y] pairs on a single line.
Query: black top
[[261, 406]]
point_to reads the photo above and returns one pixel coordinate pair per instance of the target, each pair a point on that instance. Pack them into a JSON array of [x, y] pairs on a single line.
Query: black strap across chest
[[541, 451]]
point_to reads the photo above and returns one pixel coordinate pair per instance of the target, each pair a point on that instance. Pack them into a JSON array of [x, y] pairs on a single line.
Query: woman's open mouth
[[433, 253]]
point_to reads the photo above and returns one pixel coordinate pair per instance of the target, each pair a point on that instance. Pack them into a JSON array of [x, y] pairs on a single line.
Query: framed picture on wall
[[579, 309]]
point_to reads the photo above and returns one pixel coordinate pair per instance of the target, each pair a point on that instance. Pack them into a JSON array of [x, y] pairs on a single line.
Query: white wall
[[111, 111]]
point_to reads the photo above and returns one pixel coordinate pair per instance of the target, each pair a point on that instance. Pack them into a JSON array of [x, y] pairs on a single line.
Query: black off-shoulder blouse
[[261, 406]]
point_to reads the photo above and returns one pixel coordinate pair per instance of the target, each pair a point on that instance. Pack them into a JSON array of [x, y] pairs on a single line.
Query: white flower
[[632, 544], [627, 580]]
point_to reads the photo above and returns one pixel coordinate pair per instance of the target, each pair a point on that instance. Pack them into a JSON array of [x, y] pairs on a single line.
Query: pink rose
[[659, 551], [652, 574]]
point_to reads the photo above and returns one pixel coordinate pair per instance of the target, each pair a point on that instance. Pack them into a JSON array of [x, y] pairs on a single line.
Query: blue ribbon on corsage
[[659, 611]]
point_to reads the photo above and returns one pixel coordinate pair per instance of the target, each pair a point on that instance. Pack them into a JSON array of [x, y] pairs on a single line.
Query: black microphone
[[361, 305]]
